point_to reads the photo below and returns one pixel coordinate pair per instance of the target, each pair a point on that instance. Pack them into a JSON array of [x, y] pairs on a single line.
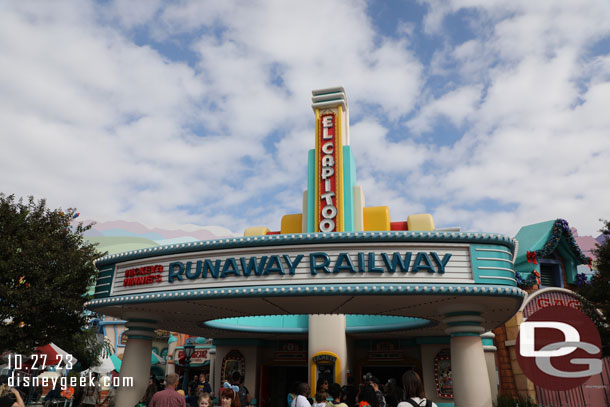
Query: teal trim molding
[[314, 289], [349, 181], [104, 281], [296, 324], [492, 264], [465, 334], [488, 341]]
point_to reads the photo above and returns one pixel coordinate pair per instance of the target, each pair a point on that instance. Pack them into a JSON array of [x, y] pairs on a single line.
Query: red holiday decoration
[[531, 257]]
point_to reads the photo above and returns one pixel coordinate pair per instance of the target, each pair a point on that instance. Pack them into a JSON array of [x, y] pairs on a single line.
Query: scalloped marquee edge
[[296, 238]]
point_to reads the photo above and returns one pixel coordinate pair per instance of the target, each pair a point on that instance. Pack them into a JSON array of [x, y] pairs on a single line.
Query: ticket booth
[[325, 365]]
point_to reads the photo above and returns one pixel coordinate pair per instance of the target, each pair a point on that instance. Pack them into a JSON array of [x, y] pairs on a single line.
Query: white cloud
[[91, 119], [456, 105], [112, 127], [538, 137]]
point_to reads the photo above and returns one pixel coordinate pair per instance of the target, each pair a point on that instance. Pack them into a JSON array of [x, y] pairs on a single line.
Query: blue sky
[[488, 114]]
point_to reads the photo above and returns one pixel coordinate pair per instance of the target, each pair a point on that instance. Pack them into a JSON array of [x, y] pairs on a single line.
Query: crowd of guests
[[232, 394], [371, 393]]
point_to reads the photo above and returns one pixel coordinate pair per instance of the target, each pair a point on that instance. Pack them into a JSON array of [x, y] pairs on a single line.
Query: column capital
[[464, 322], [140, 328]]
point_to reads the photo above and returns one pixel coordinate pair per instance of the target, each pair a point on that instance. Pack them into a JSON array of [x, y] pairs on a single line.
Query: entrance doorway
[[385, 373], [276, 385]]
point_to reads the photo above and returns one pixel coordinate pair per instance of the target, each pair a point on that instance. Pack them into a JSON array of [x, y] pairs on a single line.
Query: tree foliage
[[46, 269], [598, 291]]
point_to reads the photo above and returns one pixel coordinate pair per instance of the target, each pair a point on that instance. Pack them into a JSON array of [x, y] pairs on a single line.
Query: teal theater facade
[[340, 290]]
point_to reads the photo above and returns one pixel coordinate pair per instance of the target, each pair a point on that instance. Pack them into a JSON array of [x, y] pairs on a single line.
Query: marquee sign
[[358, 263]]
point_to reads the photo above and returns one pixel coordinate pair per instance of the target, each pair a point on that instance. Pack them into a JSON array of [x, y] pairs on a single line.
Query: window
[[550, 274]]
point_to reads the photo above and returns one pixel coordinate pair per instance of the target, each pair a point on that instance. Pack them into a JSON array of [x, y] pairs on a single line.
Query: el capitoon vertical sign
[[330, 117]]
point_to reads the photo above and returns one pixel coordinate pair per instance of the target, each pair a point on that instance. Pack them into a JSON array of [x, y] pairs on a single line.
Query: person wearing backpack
[[414, 391]]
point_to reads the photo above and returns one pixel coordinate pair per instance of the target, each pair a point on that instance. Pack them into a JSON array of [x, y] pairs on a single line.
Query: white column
[[327, 333], [490, 359], [468, 365], [136, 361]]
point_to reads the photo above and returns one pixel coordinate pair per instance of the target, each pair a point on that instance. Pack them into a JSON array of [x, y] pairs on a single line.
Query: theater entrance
[[276, 382], [385, 373]]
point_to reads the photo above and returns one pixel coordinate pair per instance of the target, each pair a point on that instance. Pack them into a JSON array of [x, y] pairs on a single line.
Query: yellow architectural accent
[[314, 371], [256, 231], [422, 221], [358, 209], [292, 224], [305, 203], [376, 218]]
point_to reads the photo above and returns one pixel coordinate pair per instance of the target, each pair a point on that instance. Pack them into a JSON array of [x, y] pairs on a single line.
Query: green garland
[[561, 228]]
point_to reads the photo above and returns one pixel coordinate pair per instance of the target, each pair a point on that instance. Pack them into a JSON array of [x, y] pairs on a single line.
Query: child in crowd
[[320, 399], [204, 400]]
